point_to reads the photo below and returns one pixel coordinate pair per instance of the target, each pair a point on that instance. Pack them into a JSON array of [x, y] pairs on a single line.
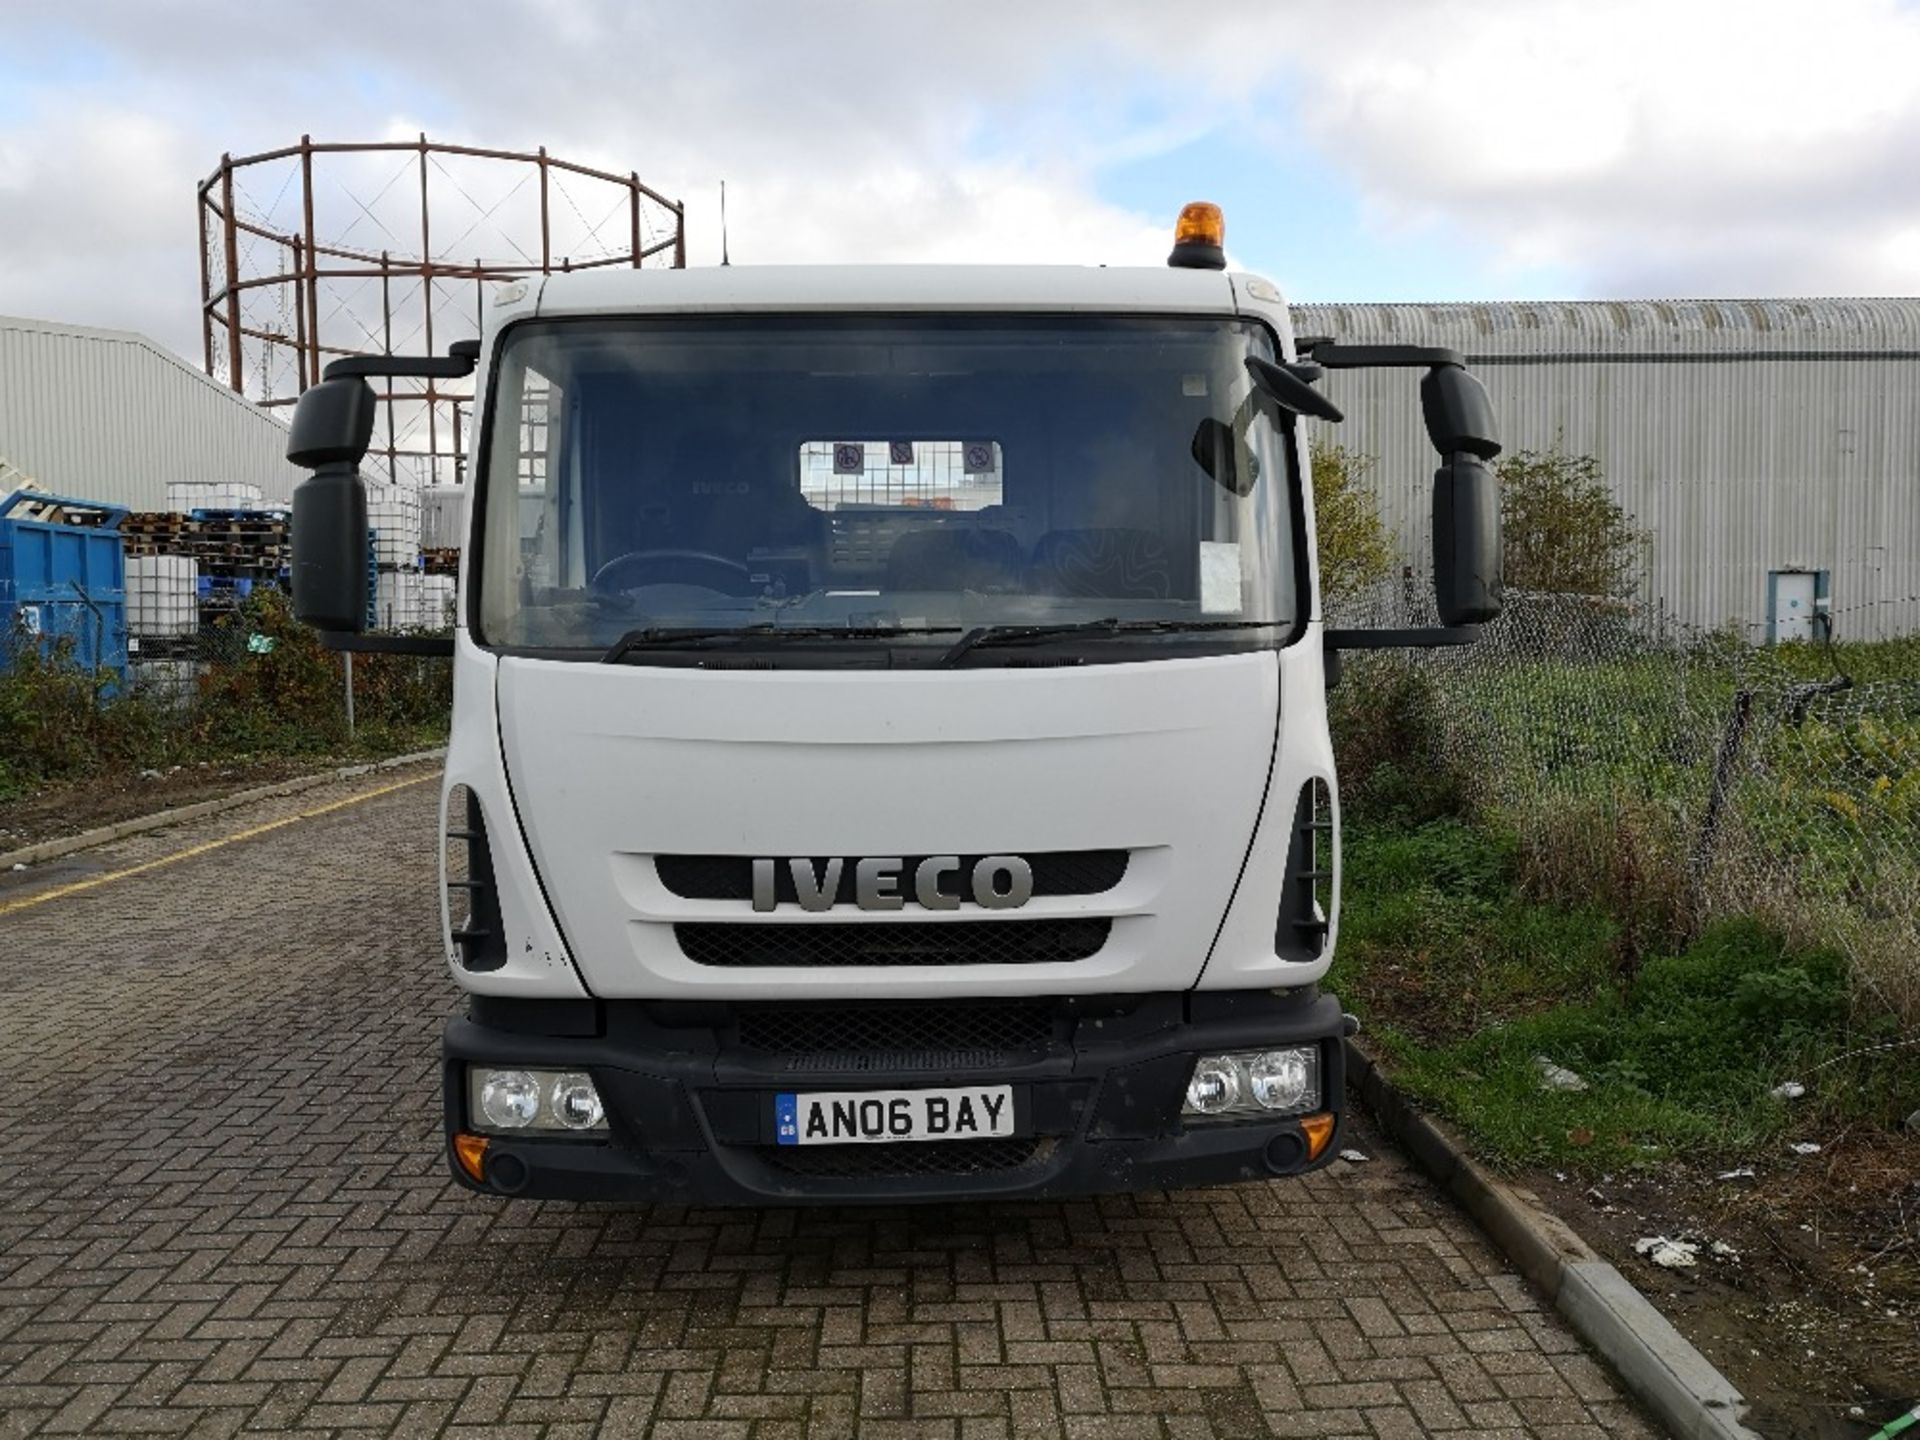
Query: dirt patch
[[1805, 1287], [109, 799]]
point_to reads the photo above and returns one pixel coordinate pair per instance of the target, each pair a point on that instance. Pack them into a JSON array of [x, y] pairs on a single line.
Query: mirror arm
[[417, 367], [359, 643], [1422, 637], [1335, 356]]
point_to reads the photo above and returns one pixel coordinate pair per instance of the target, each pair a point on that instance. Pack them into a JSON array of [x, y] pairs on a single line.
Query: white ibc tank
[[437, 612], [184, 495], [167, 682], [163, 595], [400, 600], [443, 516], [393, 514]]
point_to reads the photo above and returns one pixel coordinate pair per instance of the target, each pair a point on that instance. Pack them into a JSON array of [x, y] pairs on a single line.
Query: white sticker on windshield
[[1220, 577]]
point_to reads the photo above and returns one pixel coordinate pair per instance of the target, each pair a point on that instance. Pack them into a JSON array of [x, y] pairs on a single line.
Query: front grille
[[943, 1036], [935, 1157], [730, 877], [893, 942]]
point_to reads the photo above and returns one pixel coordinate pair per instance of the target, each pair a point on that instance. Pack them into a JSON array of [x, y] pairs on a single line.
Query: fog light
[[1215, 1086], [1282, 1079], [574, 1102], [510, 1099]]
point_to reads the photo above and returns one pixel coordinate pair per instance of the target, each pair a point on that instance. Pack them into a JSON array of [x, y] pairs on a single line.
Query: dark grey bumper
[[690, 1116]]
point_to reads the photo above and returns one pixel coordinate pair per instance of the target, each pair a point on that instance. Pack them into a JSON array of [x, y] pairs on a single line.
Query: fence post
[[1730, 738], [346, 665]]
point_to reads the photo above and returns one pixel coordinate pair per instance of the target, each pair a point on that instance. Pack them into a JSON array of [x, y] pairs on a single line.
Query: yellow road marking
[[40, 897]]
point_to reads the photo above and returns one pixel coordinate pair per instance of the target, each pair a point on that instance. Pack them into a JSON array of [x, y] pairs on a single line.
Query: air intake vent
[[730, 877], [1306, 901], [894, 942], [473, 904]]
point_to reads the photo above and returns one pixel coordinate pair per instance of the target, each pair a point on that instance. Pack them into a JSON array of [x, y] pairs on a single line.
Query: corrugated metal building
[[109, 415], [1770, 447]]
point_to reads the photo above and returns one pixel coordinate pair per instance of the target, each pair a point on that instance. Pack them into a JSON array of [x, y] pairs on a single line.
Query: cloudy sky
[[1373, 149]]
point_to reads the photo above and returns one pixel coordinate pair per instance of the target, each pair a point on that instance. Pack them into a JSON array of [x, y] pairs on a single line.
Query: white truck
[[889, 753]]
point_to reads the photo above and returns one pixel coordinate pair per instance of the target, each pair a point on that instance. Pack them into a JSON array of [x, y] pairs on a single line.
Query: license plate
[[874, 1117]]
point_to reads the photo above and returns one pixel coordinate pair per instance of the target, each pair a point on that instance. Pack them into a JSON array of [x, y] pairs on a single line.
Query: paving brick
[[213, 1247]]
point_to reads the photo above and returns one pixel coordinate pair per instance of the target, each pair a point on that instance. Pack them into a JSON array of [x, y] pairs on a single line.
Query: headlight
[[1248, 1084], [502, 1101]]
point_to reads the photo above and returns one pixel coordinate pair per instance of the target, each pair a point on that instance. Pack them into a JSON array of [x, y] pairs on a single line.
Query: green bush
[[1354, 545], [280, 693]]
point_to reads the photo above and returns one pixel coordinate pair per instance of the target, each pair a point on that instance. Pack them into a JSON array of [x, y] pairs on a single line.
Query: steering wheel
[[700, 568]]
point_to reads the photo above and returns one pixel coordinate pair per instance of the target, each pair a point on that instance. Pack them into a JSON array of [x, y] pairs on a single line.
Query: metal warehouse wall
[[1747, 436], [108, 415]]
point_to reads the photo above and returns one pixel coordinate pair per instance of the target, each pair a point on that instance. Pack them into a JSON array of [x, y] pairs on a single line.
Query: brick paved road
[[193, 1241]]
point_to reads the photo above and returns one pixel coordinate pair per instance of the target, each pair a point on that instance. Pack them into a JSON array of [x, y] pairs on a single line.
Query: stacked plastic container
[[187, 496], [393, 514], [439, 601], [400, 600], [163, 596]]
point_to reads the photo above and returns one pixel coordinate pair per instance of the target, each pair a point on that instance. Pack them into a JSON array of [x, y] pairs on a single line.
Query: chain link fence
[[1671, 774]]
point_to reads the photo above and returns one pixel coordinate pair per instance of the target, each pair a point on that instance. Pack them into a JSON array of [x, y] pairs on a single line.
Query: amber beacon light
[[1199, 238]]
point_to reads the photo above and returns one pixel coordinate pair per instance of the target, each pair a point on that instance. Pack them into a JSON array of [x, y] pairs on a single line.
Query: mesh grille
[[898, 1037], [938, 1157], [884, 942], [730, 877]]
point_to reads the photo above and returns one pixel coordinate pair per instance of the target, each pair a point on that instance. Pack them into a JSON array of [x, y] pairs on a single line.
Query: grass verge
[[1467, 980]]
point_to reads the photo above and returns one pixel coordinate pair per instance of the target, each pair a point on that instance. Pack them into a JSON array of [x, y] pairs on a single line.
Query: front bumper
[[690, 1108]]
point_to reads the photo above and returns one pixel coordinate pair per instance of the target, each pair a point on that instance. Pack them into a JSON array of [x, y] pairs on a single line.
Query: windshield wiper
[[1029, 634], [708, 637]]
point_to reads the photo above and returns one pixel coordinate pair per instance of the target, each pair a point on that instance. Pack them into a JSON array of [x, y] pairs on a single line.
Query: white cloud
[[1647, 145], [1644, 145]]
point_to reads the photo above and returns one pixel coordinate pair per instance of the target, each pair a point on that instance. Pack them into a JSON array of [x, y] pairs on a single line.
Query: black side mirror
[[332, 427], [1458, 412], [1466, 497], [1214, 452], [1466, 541], [1291, 388]]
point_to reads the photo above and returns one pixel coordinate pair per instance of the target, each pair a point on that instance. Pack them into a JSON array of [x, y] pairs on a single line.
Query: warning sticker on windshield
[[1220, 577], [900, 452], [977, 457], [849, 459]]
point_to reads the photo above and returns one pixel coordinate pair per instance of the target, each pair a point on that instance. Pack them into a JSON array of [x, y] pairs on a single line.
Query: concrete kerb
[[105, 834], [1671, 1378]]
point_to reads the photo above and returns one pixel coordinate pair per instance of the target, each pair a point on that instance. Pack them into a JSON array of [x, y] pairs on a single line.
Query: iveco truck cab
[[889, 754]]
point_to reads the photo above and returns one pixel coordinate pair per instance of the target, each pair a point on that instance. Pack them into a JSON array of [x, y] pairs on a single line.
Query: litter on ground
[[1667, 1254], [1556, 1077]]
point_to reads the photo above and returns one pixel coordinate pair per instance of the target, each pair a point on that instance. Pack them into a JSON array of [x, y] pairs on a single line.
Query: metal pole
[[206, 283], [426, 302], [386, 346], [680, 236], [346, 664], [1723, 763], [310, 291], [235, 379], [300, 320], [633, 214], [546, 235]]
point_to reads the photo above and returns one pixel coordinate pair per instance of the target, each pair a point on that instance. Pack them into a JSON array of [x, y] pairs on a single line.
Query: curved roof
[[1808, 328]]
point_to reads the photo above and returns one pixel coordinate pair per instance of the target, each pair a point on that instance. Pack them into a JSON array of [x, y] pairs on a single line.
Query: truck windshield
[[1093, 484]]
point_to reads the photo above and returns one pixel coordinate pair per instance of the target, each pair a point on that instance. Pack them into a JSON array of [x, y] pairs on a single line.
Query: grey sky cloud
[[1639, 147]]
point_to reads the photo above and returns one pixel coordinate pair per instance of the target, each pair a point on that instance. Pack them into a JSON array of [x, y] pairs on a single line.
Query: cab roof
[[897, 287]]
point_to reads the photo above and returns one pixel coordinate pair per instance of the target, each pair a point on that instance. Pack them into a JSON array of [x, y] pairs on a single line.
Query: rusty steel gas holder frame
[[245, 306]]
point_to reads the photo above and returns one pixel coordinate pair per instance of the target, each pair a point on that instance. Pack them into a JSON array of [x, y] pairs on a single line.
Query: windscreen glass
[[884, 482]]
